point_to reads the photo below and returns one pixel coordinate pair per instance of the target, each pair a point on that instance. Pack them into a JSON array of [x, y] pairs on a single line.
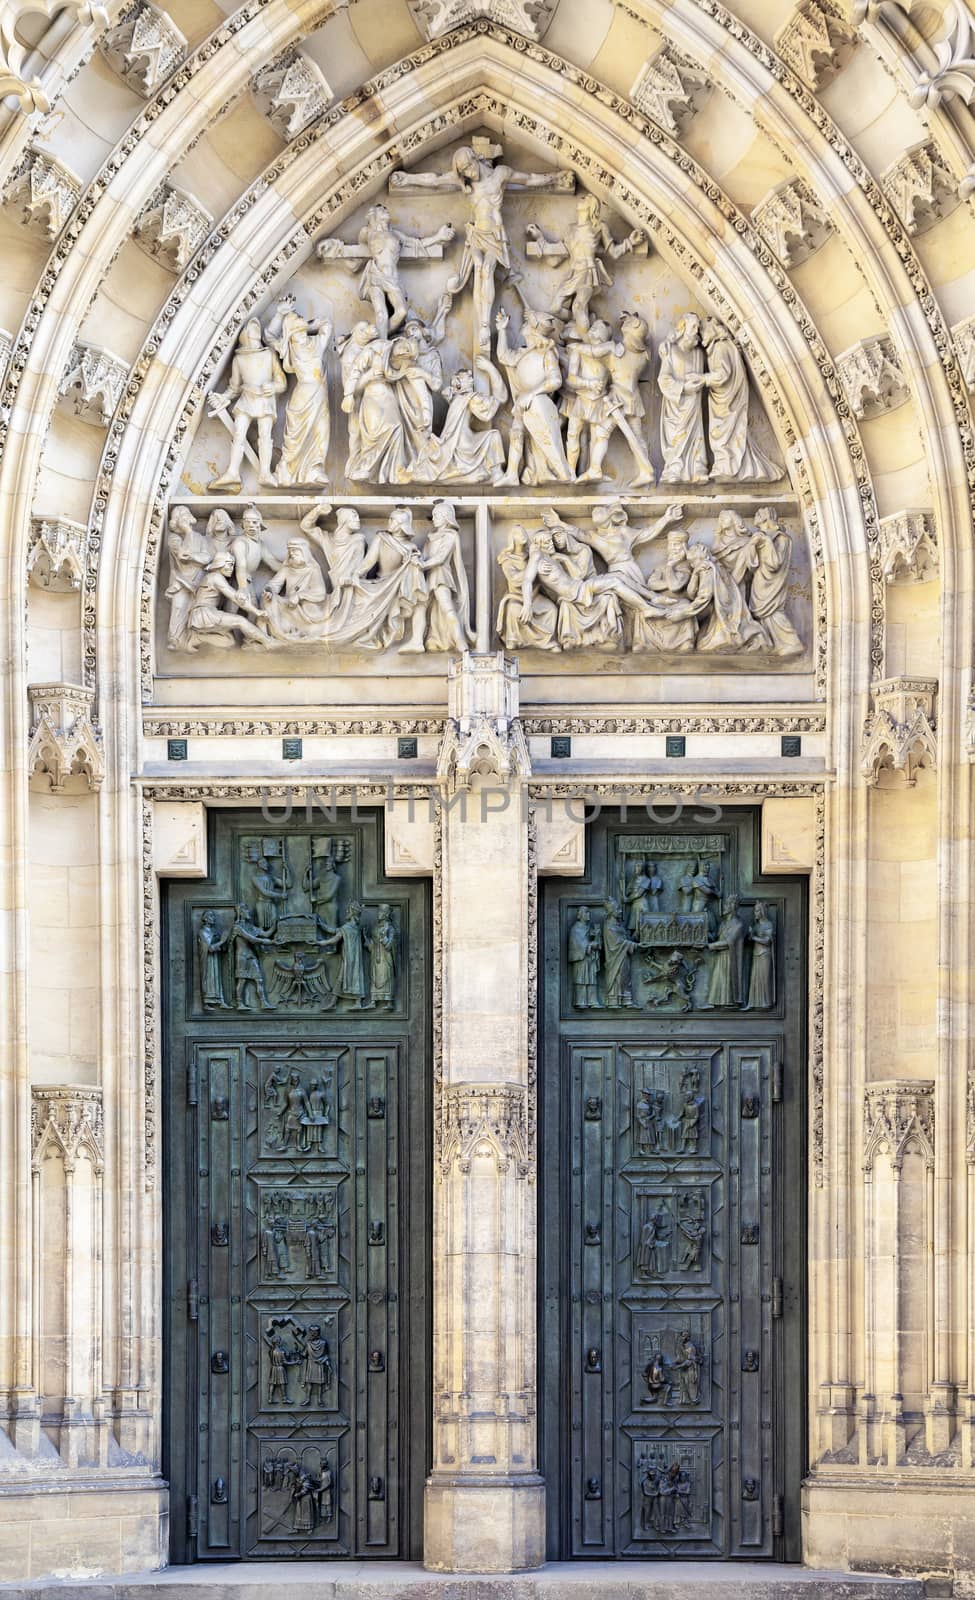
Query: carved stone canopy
[[814, 42], [144, 48], [45, 192], [486, 1119], [792, 221], [294, 91], [898, 1118], [483, 734], [93, 382], [67, 1122], [173, 226], [899, 733], [64, 740], [668, 90], [56, 554], [921, 187], [872, 377], [908, 547], [963, 334], [529, 17]]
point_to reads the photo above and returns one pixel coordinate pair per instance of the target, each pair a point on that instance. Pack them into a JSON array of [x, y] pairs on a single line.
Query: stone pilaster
[[485, 1500]]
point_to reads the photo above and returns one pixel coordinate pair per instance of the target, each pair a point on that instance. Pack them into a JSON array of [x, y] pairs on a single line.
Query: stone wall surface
[[793, 186]]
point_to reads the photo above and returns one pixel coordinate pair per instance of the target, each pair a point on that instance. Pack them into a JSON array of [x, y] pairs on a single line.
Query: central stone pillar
[[485, 1500]]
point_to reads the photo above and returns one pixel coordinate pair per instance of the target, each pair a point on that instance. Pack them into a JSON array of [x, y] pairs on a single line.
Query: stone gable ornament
[[528, 17]]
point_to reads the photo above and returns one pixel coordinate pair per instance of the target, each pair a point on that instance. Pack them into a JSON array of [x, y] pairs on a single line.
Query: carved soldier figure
[[726, 381], [486, 243], [189, 556], [216, 607], [649, 1496], [617, 949], [210, 942], [248, 940], [663, 1232], [584, 397], [585, 241], [294, 1117], [382, 247], [302, 344], [585, 941], [534, 375], [681, 383], [382, 964], [627, 362], [323, 882], [761, 984], [690, 1122], [256, 380]]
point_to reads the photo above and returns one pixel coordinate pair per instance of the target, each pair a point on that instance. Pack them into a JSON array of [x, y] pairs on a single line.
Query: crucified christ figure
[[473, 172]]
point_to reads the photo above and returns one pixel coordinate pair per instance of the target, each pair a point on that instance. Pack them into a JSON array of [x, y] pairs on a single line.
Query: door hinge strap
[[192, 1516], [193, 1300], [776, 1297], [192, 1085], [777, 1072], [778, 1516]]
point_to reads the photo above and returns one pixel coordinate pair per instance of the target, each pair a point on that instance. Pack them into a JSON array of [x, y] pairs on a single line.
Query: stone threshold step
[[332, 1580]]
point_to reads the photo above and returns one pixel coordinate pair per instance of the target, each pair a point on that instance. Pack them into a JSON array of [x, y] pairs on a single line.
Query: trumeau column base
[[491, 1526]]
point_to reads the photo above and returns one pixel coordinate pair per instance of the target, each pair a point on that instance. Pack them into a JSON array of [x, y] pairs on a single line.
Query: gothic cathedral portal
[[672, 1231], [297, 1214]]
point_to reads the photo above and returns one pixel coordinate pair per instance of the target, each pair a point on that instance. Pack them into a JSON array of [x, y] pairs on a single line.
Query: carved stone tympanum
[[899, 732], [64, 740]]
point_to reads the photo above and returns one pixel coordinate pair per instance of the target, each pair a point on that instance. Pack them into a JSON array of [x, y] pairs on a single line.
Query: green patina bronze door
[[297, 1208], [672, 1066]]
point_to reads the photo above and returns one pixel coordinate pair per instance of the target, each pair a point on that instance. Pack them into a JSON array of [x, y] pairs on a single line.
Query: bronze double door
[[672, 1210], [297, 1204]]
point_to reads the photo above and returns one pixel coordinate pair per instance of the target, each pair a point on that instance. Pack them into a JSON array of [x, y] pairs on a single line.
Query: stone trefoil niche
[[485, 413]]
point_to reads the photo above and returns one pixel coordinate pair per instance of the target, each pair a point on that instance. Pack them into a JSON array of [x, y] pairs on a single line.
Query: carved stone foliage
[[671, 934], [93, 383], [921, 187], [529, 17], [899, 733], [56, 554], [908, 546], [68, 1121], [65, 742], [813, 42], [44, 191], [872, 377], [144, 47], [963, 334], [173, 227], [792, 221], [669, 90], [486, 1119], [898, 1117], [29, 93], [294, 90], [953, 74], [970, 1120], [483, 734]]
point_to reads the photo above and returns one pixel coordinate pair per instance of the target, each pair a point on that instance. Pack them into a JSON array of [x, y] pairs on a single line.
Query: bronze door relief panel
[[297, 1207], [672, 1247]]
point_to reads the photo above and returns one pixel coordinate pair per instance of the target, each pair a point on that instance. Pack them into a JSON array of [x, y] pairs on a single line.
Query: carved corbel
[[920, 187], [529, 17], [792, 222], [68, 1122], [899, 733], [483, 735], [172, 227], [872, 378], [144, 48], [963, 334], [293, 90], [908, 547], [93, 382], [56, 554], [814, 42], [45, 192], [486, 1119], [669, 90], [65, 741], [29, 93]]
